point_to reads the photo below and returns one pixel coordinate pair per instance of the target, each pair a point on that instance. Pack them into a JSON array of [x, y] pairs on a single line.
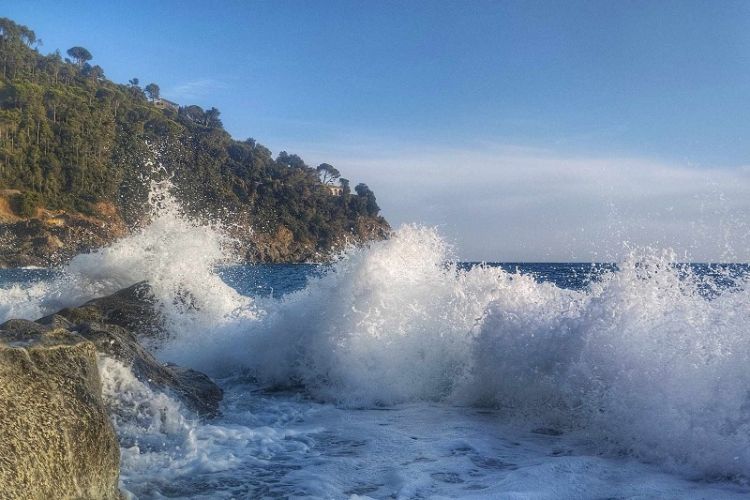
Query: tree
[[367, 197], [327, 173], [362, 189], [152, 90], [212, 118], [345, 186], [135, 90], [94, 72], [79, 55], [9, 30], [28, 37], [193, 113], [291, 161]]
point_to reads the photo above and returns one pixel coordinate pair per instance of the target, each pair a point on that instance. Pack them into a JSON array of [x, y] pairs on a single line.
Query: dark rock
[[200, 387], [117, 323], [55, 321], [21, 328], [56, 440], [196, 390], [133, 308]]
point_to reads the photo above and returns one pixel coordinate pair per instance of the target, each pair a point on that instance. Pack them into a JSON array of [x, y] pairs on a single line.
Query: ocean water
[[395, 372]]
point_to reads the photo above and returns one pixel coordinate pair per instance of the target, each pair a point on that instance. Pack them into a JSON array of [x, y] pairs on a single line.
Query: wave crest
[[649, 359]]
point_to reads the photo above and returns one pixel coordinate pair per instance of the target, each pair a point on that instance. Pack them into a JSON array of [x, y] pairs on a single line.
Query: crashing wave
[[641, 361]]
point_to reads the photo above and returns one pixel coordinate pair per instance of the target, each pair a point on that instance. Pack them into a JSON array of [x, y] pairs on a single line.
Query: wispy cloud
[[499, 202], [195, 89]]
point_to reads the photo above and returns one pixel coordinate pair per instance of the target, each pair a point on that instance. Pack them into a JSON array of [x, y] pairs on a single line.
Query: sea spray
[[642, 362], [649, 359], [389, 323], [167, 449], [22, 300], [175, 253], [664, 368]]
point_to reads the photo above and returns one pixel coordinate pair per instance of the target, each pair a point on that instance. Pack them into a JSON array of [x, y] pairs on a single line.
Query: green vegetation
[[69, 138], [25, 204]]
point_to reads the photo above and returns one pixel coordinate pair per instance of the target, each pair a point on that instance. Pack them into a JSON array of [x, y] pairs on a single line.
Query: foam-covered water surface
[[395, 372], [281, 444]]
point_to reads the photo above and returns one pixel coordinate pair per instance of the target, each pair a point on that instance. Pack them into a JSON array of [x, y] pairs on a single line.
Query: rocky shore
[[56, 437], [50, 238]]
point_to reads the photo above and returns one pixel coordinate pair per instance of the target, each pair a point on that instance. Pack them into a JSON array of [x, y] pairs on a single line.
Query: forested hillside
[[73, 142]]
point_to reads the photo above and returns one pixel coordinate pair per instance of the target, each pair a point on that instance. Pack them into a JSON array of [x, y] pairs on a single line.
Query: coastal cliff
[[52, 237], [79, 154]]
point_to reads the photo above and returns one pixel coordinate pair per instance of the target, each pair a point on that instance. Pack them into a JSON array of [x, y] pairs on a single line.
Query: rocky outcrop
[[56, 440], [277, 246], [53, 238], [117, 323], [196, 390], [132, 308], [280, 245]]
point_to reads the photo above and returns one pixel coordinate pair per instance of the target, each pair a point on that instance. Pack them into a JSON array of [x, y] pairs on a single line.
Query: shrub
[[25, 204]]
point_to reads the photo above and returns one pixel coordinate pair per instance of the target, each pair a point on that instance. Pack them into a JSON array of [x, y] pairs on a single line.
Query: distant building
[[166, 104], [335, 190]]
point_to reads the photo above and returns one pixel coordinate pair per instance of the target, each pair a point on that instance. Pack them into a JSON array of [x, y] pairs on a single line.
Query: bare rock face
[[56, 440], [51, 239]]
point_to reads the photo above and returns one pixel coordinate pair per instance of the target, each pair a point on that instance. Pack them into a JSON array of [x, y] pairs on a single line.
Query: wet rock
[[133, 308], [196, 390], [117, 324], [200, 388], [56, 440], [54, 321], [20, 329]]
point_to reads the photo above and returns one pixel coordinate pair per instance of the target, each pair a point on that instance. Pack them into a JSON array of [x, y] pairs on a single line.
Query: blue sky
[[436, 103]]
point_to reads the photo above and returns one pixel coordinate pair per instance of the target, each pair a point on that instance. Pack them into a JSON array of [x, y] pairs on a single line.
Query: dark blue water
[[276, 280]]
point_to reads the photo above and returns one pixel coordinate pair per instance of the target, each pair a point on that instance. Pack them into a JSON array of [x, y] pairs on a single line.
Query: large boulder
[[117, 324], [56, 440], [133, 308]]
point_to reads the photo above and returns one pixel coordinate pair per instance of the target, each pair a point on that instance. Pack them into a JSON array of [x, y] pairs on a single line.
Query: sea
[[397, 371]]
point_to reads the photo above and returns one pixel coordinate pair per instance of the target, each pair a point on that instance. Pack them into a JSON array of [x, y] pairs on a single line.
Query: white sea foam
[[643, 361], [176, 254], [20, 300], [649, 360]]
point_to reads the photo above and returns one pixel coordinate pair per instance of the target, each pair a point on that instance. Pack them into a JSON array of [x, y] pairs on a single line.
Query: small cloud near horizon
[[195, 89]]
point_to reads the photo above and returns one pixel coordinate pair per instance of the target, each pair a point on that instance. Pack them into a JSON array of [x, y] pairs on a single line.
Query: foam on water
[[165, 450], [643, 361], [649, 361]]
